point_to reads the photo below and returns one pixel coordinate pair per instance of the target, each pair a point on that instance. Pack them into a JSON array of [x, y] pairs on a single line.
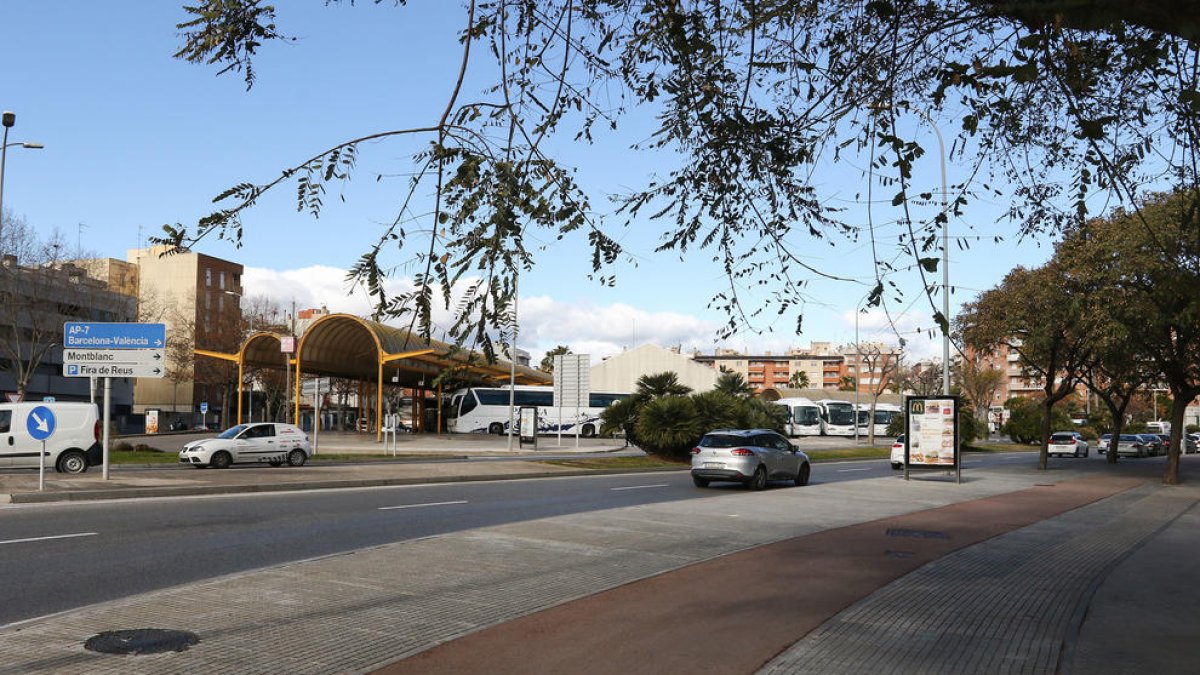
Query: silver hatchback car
[[750, 456]]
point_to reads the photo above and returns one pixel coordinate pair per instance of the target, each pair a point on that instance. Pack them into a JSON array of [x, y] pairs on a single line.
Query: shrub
[[122, 446], [669, 427]]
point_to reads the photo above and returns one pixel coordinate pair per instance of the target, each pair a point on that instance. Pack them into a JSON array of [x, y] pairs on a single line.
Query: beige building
[[198, 297], [823, 365], [620, 373]]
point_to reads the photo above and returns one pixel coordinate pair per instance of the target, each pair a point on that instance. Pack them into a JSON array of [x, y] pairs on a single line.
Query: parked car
[[72, 446], [261, 442], [898, 453], [1067, 444], [749, 456], [1102, 444], [1132, 444], [1192, 442], [1153, 443]]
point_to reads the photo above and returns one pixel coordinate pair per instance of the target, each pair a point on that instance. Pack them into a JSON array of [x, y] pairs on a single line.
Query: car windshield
[[722, 441], [233, 431]]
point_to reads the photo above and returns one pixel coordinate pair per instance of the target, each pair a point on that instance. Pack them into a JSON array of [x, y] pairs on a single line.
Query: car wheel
[[297, 457], [221, 460], [1076, 453], [896, 466], [588, 431], [71, 461], [802, 475], [495, 428], [700, 482], [759, 480]]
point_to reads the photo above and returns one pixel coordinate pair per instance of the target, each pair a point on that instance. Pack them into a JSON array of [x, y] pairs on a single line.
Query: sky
[[135, 139]]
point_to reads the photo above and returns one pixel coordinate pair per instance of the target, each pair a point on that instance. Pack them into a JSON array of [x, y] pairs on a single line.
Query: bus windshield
[[806, 415]]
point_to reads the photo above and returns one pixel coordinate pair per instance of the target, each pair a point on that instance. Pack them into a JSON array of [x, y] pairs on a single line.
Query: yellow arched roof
[[347, 346]]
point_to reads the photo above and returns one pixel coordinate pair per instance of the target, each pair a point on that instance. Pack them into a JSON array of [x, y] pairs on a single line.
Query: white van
[[71, 448]]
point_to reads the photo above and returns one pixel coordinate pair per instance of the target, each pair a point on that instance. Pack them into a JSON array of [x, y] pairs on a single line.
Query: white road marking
[[418, 506], [57, 536], [849, 470], [640, 487]]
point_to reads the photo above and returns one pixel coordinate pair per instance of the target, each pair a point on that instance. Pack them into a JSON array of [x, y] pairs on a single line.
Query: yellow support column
[[379, 401]]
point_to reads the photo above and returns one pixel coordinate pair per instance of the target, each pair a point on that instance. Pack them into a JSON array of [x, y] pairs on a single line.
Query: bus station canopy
[[350, 347]]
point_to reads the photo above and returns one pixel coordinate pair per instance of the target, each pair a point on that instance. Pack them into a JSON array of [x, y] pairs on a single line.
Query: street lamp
[[9, 119]]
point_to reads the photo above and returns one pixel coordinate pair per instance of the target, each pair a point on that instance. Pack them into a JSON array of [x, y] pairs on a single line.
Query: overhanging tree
[[1053, 102]]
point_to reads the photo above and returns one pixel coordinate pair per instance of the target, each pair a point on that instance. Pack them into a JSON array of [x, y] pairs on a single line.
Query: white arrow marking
[[41, 423]]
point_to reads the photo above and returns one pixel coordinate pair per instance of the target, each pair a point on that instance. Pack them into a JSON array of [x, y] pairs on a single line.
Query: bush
[[669, 427], [896, 426], [122, 446], [1025, 422]]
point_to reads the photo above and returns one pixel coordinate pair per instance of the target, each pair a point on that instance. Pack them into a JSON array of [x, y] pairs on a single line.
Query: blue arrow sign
[[40, 423], [114, 335]]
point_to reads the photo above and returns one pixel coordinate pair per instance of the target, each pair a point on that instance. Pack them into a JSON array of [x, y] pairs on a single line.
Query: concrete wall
[[620, 373]]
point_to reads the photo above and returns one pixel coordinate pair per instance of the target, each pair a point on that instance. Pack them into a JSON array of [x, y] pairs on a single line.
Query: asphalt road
[[65, 555]]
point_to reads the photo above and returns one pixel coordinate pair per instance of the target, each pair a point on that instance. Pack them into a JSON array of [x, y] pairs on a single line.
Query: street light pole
[[8, 119]]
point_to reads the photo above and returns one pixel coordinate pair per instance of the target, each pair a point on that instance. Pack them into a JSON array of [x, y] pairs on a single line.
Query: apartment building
[[823, 365]]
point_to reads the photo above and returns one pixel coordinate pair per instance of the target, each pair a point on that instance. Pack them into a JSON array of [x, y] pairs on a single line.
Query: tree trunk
[[1044, 453], [1179, 404]]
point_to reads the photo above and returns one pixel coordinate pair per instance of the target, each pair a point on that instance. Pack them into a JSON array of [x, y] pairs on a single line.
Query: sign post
[[109, 350], [931, 434], [40, 424], [572, 387]]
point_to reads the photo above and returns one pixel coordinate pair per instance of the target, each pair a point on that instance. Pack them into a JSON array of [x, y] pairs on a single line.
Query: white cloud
[[598, 330]]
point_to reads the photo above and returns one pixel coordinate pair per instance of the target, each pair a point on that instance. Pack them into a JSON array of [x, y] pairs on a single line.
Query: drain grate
[[916, 534], [141, 641]]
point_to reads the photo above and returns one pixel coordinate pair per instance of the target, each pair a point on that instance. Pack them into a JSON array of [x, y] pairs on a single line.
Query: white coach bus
[[804, 417], [480, 410], [837, 417]]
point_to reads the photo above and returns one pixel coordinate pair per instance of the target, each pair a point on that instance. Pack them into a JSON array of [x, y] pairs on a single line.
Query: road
[[66, 555]]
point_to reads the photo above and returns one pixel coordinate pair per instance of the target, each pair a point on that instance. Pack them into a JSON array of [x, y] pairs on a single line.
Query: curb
[[195, 490]]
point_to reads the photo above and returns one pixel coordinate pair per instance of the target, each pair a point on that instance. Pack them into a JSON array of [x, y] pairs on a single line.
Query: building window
[[208, 277], [221, 281]]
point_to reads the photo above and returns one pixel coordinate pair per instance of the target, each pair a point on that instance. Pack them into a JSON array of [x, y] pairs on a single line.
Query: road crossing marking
[[639, 487]]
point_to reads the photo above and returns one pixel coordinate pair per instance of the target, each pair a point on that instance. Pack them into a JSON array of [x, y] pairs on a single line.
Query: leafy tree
[[734, 384], [754, 98], [979, 384], [847, 383], [671, 426], [798, 380], [1026, 420], [547, 363], [624, 415], [1032, 315], [657, 385], [1148, 263]]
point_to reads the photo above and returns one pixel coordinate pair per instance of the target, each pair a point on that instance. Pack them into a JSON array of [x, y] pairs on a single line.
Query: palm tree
[[734, 385], [659, 385], [799, 380]]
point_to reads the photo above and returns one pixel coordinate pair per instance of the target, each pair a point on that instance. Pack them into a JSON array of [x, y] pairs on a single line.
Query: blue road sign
[[80, 335], [40, 423], [204, 407]]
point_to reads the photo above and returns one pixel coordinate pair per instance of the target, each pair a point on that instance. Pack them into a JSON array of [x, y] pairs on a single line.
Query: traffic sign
[[204, 407], [114, 362], [40, 423], [81, 335]]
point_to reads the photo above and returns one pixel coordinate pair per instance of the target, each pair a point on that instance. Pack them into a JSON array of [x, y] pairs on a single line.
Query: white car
[[898, 453], [1067, 444], [261, 442]]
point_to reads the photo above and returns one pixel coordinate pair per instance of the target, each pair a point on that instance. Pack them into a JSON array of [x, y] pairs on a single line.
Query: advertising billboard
[[931, 439]]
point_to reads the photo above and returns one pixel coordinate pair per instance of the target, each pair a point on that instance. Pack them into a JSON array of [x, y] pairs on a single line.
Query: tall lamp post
[[8, 119]]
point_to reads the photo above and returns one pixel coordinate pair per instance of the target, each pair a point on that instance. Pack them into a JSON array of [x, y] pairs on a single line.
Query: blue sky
[[136, 139]]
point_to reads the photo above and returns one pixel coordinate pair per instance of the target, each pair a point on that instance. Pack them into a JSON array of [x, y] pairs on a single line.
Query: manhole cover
[[141, 641]]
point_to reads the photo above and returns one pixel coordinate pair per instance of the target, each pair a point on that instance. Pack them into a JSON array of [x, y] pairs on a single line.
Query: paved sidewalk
[[1084, 568]]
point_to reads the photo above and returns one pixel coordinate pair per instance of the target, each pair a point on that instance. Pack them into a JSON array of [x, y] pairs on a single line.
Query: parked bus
[[884, 414], [479, 410], [837, 417], [804, 417]]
